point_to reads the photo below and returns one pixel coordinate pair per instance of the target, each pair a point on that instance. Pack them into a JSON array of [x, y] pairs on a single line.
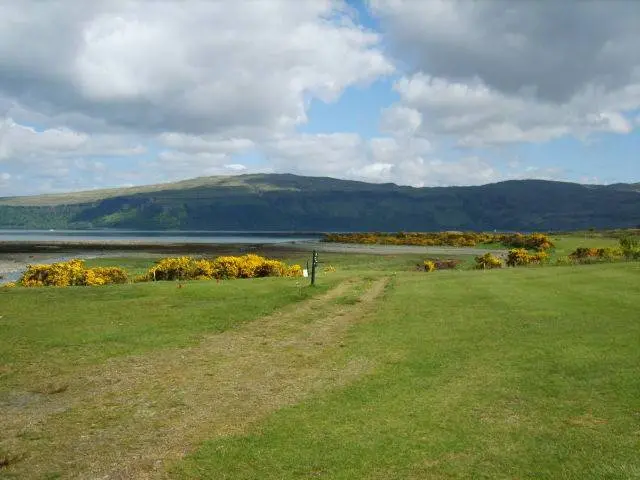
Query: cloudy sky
[[418, 92]]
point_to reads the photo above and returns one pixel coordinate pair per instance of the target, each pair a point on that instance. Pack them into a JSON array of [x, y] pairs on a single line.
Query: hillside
[[290, 202]]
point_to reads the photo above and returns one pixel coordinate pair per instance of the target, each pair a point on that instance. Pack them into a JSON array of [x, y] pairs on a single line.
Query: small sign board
[[305, 273]]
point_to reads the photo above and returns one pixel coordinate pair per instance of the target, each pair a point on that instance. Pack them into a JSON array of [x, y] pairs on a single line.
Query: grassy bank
[[518, 374], [379, 372]]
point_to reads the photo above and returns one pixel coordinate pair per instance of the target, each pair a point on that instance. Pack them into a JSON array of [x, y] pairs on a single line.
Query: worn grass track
[[128, 417], [527, 373]]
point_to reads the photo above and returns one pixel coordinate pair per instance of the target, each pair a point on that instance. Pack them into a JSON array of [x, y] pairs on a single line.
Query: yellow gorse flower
[[71, 273], [225, 267]]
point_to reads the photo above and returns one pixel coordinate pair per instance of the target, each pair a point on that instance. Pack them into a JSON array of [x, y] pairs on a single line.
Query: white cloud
[[498, 72], [549, 49], [26, 145], [407, 161], [236, 68], [236, 167], [206, 79], [205, 143], [139, 91], [476, 115]]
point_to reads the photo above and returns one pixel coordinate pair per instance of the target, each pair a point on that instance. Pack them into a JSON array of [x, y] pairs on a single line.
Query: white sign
[[305, 273]]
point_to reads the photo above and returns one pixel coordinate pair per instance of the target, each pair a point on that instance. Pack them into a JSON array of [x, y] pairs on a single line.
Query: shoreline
[[16, 255]]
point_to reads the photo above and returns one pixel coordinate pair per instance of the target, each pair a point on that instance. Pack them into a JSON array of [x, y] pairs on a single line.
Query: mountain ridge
[[292, 202], [86, 196]]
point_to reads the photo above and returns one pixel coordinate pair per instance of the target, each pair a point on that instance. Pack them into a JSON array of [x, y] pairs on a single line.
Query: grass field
[[529, 373], [55, 330], [566, 244], [379, 372]]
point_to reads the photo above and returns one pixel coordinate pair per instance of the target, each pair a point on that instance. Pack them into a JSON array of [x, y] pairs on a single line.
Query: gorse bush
[[74, 272], [534, 241], [447, 264], [71, 273], [595, 255], [428, 266], [521, 257], [178, 268], [61, 274], [488, 261], [431, 264], [94, 277], [225, 267]]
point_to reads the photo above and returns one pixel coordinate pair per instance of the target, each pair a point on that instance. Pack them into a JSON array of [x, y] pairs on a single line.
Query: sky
[[112, 93]]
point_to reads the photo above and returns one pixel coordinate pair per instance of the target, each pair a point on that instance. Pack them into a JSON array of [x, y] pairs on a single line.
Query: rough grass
[[566, 244], [379, 372], [54, 330], [125, 418], [523, 373]]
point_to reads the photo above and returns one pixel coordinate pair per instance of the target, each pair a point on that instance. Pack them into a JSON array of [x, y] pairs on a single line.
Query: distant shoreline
[[15, 256]]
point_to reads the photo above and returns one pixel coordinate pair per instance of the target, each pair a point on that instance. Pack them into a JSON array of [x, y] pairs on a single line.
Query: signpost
[[314, 264]]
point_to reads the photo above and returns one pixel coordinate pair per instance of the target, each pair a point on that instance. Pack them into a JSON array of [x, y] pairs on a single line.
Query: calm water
[[154, 236]]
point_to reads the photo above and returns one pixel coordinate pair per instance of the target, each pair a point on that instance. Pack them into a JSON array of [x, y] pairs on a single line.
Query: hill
[[290, 202]]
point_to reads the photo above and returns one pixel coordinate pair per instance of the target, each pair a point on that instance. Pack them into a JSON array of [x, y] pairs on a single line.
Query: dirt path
[[129, 418]]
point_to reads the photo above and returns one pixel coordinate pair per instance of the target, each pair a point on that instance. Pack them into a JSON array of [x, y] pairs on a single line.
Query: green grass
[[523, 373], [513, 373], [345, 263], [57, 329], [565, 244], [133, 265]]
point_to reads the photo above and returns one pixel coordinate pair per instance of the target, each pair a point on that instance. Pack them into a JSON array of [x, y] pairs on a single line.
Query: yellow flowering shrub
[[203, 270], [534, 241], [429, 266], [10, 285], [104, 276], [488, 261], [294, 271], [225, 267], [520, 257], [61, 274], [591, 255], [178, 268], [71, 273], [539, 257], [271, 268], [249, 265]]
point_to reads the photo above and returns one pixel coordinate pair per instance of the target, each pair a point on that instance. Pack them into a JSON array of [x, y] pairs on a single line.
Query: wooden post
[[314, 263]]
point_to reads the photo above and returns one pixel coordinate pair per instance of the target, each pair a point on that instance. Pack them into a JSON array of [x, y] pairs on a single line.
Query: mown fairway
[[380, 373]]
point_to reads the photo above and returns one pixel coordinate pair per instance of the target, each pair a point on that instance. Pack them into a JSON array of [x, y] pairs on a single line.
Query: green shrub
[[595, 255], [565, 260], [630, 246]]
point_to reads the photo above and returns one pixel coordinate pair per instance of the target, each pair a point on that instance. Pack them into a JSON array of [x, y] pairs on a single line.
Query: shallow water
[[160, 237]]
